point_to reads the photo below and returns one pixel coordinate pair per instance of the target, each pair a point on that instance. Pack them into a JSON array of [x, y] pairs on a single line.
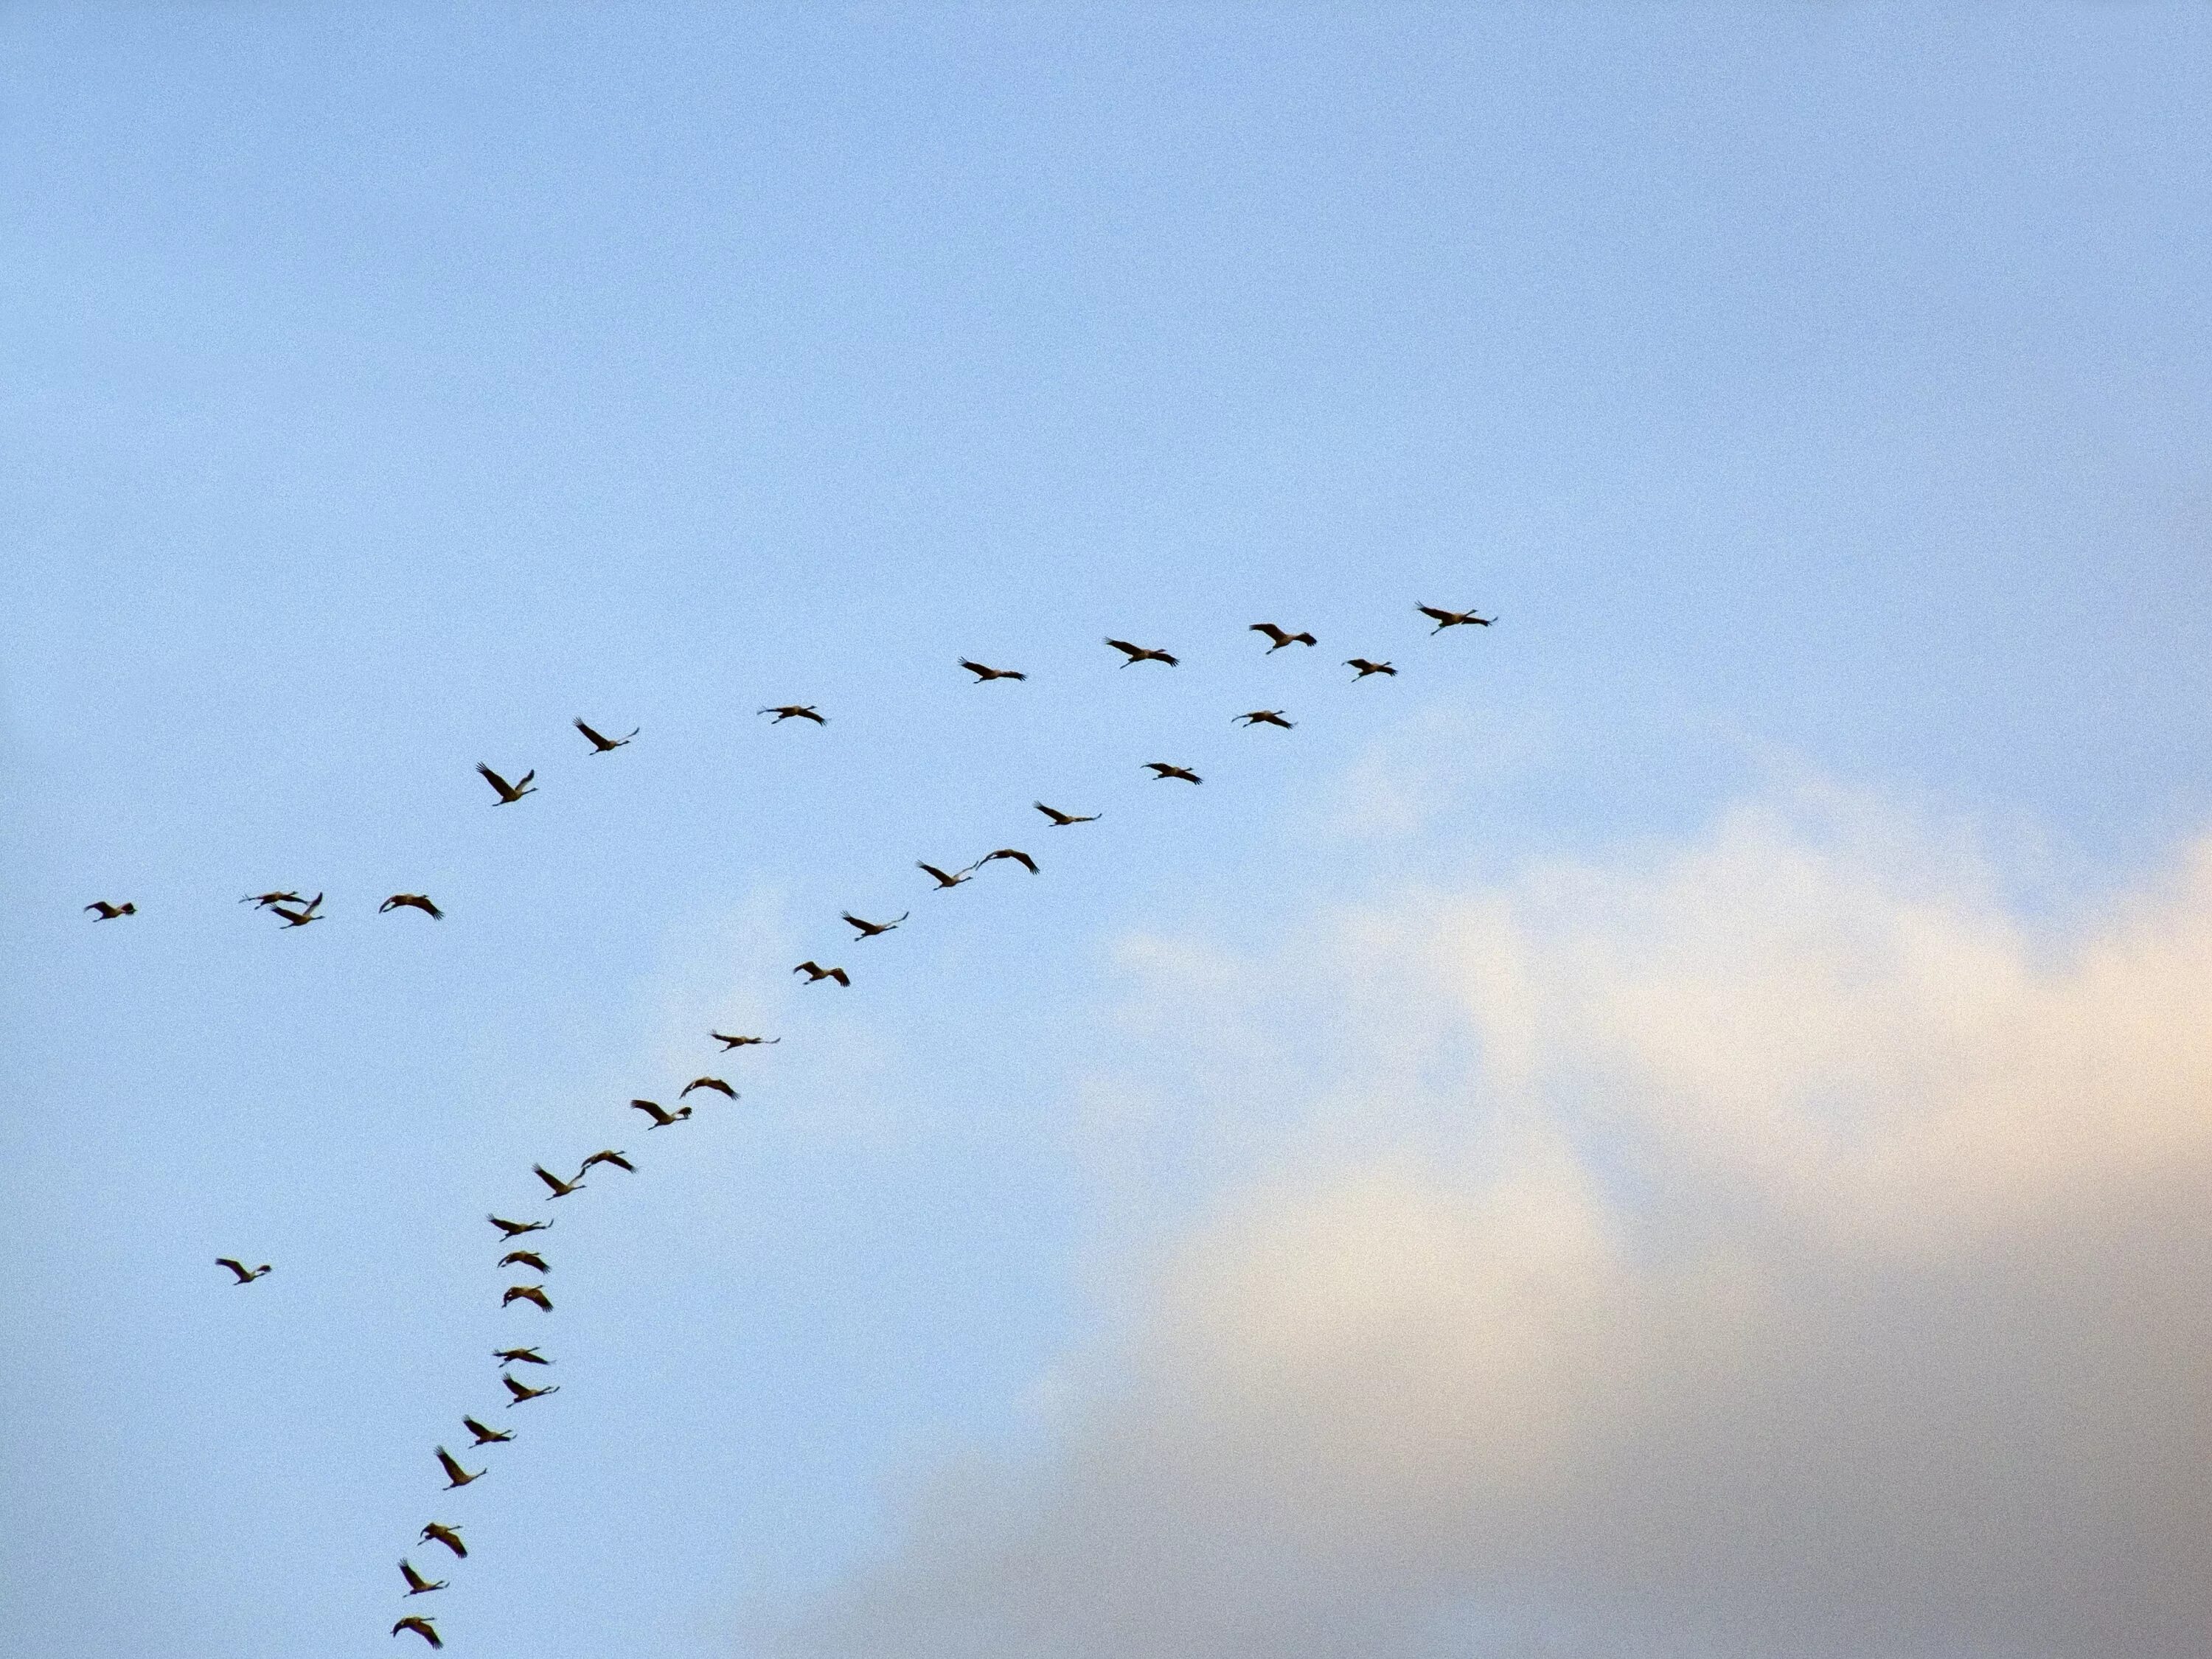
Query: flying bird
[[1141, 654], [413, 902], [613, 1158], [601, 745], [303, 915], [508, 792], [662, 1116], [714, 1083], [422, 1627], [529, 1258], [795, 711], [109, 912], [522, 1391], [516, 1228], [1161, 769], [561, 1188], [816, 973], [1280, 637], [265, 900], [1366, 668], [521, 1356], [943, 880], [416, 1584], [486, 1437], [984, 675], [1267, 717], [437, 1531], [455, 1474], [730, 1042], [1060, 820], [246, 1275], [870, 929], [1013, 853], [1445, 619], [528, 1293]]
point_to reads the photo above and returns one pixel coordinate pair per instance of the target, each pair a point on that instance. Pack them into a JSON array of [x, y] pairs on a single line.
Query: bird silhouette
[[486, 1437], [529, 1258], [816, 973], [421, 1627], [246, 1275], [561, 1188], [508, 792], [528, 1293], [521, 1356], [303, 915], [109, 912], [601, 745], [714, 1083], [1445, 619], [416, 1584], [1266, 717], [662, 1116], [1134, 653], [1161, 769], [1060, 820], [613, 1158], [870, 929], [941, 878], [1013, 853], [984, 675], [1280, 636], [730, 1042], [439, 1532], [1366, 668], [455, 1474], [413, 902], [516, 1228], [265, 900], [522, 1391], [795, 711]]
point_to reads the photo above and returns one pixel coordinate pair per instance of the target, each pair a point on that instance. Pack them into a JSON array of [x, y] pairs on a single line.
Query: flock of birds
[[293, 911]]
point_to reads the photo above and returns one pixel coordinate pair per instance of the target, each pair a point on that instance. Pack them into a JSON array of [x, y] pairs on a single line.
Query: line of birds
[[295, 911]]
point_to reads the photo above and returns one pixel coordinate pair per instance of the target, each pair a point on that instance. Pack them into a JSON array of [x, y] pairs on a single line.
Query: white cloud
[[1770, 1245]]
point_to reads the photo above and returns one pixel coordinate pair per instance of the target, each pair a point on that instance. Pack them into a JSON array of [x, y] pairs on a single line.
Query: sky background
[[1674, 1126]]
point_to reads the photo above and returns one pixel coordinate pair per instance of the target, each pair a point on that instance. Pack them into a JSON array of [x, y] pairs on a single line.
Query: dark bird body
[[528, 1293], [455, 1474], [1281, 637], [662, 1116], [265, 900], [1445, 619], [521, 1356], [529, 1258], [713, 1083], [412, 902], [522, 1391], [1013, 853], [106, 912], [984, 675], [508, 792], [1161, 769], [613, 1158], [438, 1532], [561, 1188], [303, 915], [1366, 668], [795, 711], [416, 1584], [486, 1437], [816, 973], [870, 929], [730, 1042], [1267, 717], [246, 1275], [516, 1228], [1134, 653], [601, 745], [421, 1627], [944, 879], [1060, 820]]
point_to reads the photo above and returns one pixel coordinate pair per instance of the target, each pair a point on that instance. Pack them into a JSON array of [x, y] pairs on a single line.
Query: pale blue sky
[[1813, 390]]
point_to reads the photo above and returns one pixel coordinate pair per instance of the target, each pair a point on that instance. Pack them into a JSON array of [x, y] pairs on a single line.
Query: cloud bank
[[1770, 1245]]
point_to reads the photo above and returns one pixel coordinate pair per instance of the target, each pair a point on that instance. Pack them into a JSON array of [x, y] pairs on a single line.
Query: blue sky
[[1818, 394]]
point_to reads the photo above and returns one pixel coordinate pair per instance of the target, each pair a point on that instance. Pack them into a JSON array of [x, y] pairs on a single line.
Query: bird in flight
[[455, 1474], [521, 1356], [795, 711], [109, 912], [943, 880], [1013, 853], [508, 792], [1141, 654], [486, 1437], [662, 1116], [1060, 820], [439, 1532], [301, 916], [516, 1228], [1267, 717], [870, 929], [421, 1627], [730, 1042], [1366, 668], [1161, 769], [528, 1293], [816, 973], [609, 1156], [265, 900], [522, 1391], [413, 902], [561, 1188], [529, 1258], [1280, 637], [601, 745], [714, 1083], [416, 1584], [1445, 619], [985, 674], [246, 1275]]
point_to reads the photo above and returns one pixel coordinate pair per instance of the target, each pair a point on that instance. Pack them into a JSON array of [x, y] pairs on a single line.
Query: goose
[[1280, 636], [439, 1532], [1060, 820], [870, 929], [486, 1437], [516, 1228], [416, 1584], [412, 902], [422, 1627], [1366, 668], [795, 711], [1161, 771], [529, 1258], [816, 973], [508, 792], [714, 1083], [1445, 619], [523, 1391], [246, 1275], [1134, 653], [984, 675], [561, 1188], [662, 1116], [455, 1474], [1013, 853], [601, 745], [109, 912], [1265, 717]]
